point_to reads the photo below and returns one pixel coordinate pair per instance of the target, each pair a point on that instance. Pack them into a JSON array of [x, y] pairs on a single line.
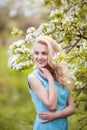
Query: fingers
[[41, 70], [45, 72], [42, 115], [46, 116]]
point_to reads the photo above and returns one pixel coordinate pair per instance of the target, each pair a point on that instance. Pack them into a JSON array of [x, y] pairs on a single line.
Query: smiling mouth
[[40, 62]]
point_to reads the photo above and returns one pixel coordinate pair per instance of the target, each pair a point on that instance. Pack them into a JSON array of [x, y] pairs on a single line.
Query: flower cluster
[[20, 56]]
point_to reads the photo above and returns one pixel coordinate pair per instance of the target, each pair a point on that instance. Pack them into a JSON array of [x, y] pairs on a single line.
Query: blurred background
[[16, 107]]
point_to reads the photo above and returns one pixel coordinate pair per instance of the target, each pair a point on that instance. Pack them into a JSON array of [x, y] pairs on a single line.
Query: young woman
[[49, 87]]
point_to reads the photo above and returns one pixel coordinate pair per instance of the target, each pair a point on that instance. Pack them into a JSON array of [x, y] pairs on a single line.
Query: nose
[[39, 56]]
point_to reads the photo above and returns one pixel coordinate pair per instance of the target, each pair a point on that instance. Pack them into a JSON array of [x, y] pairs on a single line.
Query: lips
[[40, 62]]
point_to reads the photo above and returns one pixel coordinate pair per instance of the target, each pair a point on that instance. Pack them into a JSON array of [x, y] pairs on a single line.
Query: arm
[[69, 110], [49, 98]]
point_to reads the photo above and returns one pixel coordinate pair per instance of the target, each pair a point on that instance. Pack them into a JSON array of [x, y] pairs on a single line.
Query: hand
[[47, 116], [46, 73]]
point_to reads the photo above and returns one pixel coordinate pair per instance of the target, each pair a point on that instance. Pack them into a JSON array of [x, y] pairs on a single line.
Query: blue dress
[[56, 124]]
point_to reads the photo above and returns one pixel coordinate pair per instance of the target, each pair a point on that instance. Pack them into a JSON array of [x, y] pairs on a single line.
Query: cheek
[[46, 58]]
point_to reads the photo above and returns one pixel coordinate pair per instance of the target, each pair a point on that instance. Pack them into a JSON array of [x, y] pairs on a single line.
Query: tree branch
[[71, 46], [81, 36]]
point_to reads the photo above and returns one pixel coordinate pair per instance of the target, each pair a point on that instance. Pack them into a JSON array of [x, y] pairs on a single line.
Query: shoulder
[[33, 77], [33, 81]]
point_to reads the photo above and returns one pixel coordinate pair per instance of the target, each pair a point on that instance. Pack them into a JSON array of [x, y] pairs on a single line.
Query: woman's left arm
[[49, 115]]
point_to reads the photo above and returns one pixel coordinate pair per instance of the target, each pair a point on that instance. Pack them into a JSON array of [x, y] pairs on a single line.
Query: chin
[[43, 66]]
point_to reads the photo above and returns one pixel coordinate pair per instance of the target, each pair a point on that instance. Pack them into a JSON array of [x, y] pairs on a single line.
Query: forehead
[[40, 47]]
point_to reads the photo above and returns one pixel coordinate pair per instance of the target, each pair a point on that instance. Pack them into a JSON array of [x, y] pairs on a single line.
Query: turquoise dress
[[56, 124]]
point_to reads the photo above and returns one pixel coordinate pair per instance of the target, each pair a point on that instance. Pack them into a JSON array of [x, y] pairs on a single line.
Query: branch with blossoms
[[20, 56]]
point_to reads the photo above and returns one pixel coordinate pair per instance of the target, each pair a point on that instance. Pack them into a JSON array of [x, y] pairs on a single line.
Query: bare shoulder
[[31, 77], [33, 80]]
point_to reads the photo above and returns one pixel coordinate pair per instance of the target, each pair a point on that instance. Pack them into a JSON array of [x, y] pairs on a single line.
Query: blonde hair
[[59, 71]]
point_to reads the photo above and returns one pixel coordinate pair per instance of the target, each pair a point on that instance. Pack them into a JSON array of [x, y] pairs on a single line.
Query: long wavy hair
[[58, 70]]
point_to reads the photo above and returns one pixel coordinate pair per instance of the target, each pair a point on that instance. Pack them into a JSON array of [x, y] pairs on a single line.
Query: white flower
[[30, 30], [19, 43], [12, 59]]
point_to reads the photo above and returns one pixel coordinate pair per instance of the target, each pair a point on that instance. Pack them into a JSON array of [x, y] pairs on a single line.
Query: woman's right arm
[[49, 98]]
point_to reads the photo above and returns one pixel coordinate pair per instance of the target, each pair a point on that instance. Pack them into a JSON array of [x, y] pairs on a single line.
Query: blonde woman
[[49, 87]]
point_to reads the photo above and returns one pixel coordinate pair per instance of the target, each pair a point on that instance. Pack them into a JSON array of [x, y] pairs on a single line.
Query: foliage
[[68, 26]]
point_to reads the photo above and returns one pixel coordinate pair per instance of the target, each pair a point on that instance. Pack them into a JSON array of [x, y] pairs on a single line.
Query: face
[[41, 55]]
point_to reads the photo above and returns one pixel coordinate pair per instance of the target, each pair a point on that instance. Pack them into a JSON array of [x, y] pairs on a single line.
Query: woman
[[49, 87]]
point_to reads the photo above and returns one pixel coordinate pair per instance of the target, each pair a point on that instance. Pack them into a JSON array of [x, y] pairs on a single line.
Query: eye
[[44, 53], [36, 52]]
